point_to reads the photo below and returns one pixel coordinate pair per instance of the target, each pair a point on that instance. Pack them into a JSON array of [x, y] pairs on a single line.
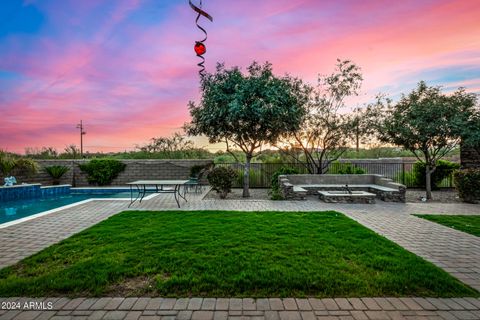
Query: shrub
[[405, 177], [338, 167], [255, 177], [348, 168], [197, 171], [102, 171], [7, 164], [56, 172], [26, 167], [11, 164], [467, 182], [275, 192], [221, 179], [444, 170], [279, 172]]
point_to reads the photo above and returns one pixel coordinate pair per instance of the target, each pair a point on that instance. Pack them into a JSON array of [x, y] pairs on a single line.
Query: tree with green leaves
[[363, 132], [326, 132], [470, 132], [247, 111], [426, 122]]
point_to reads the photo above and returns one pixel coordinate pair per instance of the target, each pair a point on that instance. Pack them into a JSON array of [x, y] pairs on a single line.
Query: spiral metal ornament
[[200, 47]]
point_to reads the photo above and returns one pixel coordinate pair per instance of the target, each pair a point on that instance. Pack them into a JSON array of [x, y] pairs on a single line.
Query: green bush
[[102, 171], [348, 168], [196, 153], [11, 164], [56, 172], [444, 170], [255, 177], [221, 179], [405, 177], [338, 167], [197, 171], [279, 172], [275, 192], [467, 182], [7, 164]]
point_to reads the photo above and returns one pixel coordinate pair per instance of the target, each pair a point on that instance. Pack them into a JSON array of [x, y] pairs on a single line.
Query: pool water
[[18, 209]]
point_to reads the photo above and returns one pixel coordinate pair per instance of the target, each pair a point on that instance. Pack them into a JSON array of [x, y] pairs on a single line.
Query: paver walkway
[[454, 251], [26, 238], [222, 309]]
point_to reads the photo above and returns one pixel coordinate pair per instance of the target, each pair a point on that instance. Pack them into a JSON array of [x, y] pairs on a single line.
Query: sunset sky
[[127, 67]]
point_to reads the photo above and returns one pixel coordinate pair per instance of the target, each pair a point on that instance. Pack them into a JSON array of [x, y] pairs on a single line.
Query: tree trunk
[[246, 176], [357, 138], [428, 181], [319, 168]]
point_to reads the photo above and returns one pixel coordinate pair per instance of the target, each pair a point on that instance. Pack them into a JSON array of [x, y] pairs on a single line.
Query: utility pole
[[80, 126]]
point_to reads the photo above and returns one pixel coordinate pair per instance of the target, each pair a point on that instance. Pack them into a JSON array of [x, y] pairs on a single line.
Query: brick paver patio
[[247, 308], [456, 252]]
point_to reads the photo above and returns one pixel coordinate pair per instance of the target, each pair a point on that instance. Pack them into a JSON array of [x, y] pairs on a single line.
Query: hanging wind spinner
[[200, 48]]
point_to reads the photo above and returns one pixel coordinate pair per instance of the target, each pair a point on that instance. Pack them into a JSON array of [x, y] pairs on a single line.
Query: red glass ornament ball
[[200, 48]]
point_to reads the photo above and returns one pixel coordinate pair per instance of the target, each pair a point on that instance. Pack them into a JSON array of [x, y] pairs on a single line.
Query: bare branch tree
[[176, 142], [326, 132]]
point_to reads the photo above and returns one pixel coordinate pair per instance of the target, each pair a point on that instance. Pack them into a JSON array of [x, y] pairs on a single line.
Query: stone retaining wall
[[367, 198], [135, 170]]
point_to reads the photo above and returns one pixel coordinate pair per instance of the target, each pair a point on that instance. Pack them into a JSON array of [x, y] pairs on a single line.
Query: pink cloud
[[130, 80]]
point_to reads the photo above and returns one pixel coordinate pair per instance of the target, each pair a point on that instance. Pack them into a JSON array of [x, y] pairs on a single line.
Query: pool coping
[[68, 206]]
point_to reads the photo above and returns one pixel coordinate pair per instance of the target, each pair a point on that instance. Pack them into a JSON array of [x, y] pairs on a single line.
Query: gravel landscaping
[[413, 195], [236, 194]]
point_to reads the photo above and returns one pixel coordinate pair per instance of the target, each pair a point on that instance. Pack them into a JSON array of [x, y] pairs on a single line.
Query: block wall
[[135, 170]]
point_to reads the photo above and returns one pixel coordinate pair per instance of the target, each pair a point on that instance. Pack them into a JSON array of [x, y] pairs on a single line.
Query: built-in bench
[[299, 189], [340, 186], [298, 186]]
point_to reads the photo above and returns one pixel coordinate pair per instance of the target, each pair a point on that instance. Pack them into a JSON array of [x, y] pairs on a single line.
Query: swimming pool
[[18, 209]]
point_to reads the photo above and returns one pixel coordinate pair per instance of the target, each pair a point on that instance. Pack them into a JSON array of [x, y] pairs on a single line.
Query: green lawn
[[215, 253], [468, 224]]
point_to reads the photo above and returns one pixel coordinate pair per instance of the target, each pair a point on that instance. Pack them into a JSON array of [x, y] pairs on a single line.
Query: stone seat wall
[[385, 189]]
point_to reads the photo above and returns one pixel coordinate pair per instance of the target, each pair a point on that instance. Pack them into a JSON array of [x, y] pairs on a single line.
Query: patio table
[[157, 186]]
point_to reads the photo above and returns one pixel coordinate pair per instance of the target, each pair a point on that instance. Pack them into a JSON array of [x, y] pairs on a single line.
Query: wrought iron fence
[[401, 172]]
